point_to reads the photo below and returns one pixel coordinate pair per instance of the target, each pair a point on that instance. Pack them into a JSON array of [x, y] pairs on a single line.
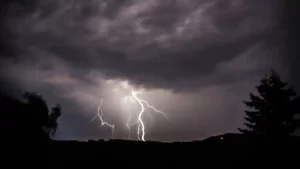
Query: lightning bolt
[[100, 114], [153, 108], [140, 120], [138, 131], [141, 125], [128, 125], [151, 118], [138, 116]]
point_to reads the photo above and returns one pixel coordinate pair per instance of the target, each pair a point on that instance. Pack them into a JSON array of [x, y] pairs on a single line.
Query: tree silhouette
[[28, 118], [36, 112], [274, 111], [51, 124]]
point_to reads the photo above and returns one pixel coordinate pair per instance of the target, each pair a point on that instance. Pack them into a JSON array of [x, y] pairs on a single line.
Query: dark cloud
[[291, 48], [146, 62], [183, 46]]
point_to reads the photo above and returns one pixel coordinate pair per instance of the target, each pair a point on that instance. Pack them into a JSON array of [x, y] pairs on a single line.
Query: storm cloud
[[192, 54]]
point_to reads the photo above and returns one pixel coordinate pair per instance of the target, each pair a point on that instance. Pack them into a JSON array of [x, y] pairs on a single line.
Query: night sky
[[195, 60]]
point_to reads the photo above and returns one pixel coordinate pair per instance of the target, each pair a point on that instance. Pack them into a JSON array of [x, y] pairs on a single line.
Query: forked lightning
[[143, 104], [100, 114], [141, 125]]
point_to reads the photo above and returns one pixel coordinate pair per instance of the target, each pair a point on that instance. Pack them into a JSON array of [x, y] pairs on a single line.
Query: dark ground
[[226, 151]]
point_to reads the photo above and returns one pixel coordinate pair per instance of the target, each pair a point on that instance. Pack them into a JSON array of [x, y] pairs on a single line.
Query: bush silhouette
[[28, 118], [274, 111]]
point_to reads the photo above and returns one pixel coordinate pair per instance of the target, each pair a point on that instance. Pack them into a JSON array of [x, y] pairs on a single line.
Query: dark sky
[[196, 60]]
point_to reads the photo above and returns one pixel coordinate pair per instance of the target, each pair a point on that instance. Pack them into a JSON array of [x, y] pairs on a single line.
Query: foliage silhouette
[[28, 118], [274, 111]]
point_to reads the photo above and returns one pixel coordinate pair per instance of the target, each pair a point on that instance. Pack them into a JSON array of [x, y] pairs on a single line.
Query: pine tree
[[274, 111]]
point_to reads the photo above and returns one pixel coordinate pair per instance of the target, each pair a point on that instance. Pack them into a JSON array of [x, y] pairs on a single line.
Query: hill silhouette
[[225, 150]]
